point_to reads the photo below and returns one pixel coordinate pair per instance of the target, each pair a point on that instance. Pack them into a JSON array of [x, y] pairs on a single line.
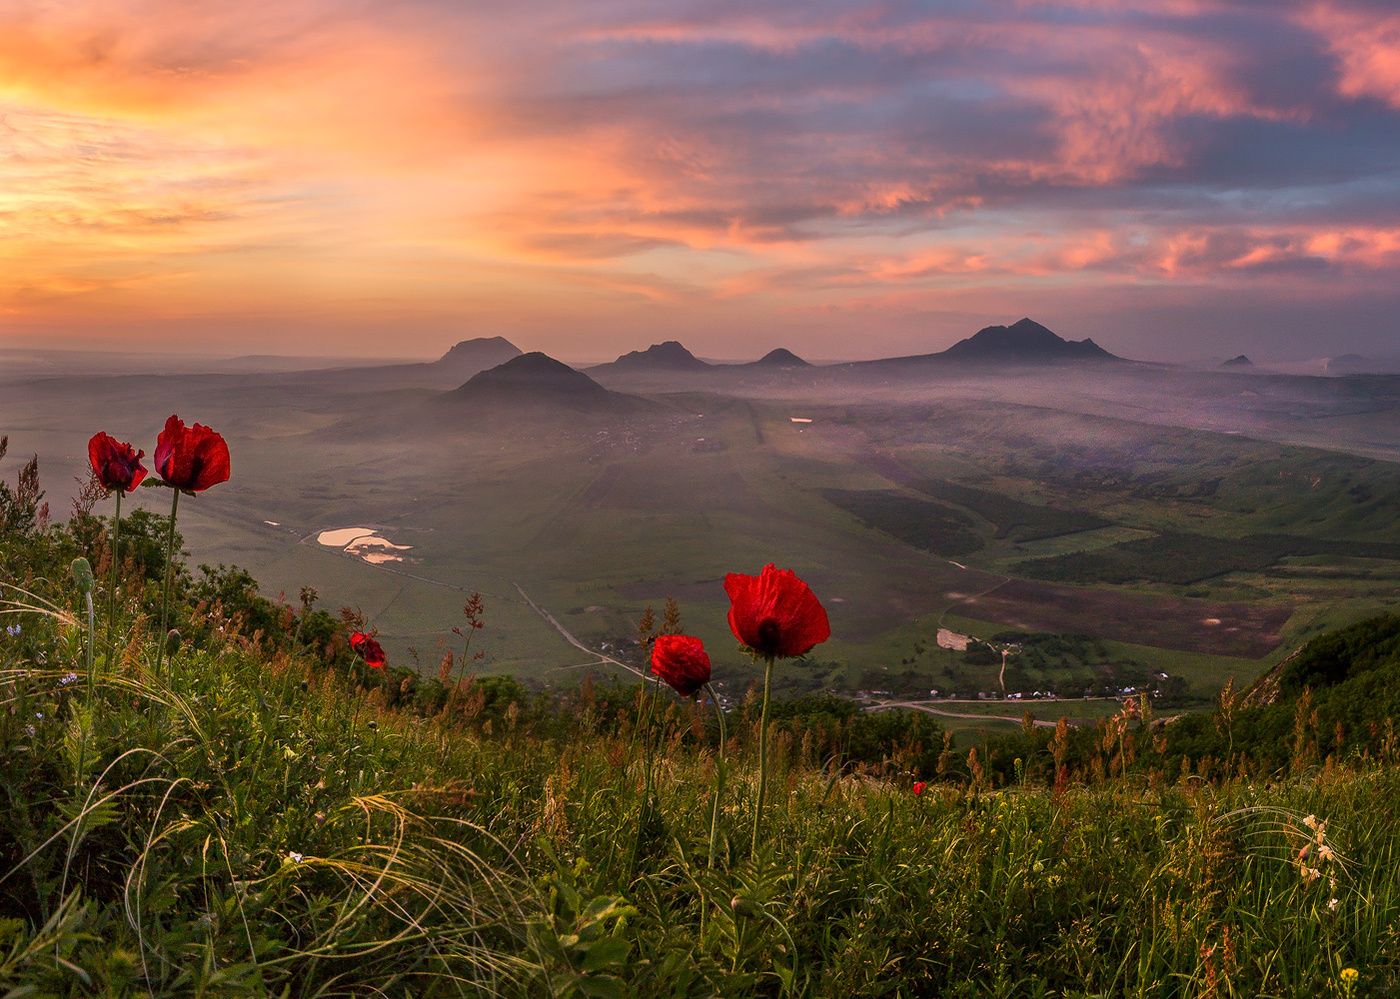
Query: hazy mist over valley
[[1193, 522]]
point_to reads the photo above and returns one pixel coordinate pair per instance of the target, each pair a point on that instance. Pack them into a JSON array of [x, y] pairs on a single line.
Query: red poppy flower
[[116, 464], [919, 787], [369, 649], [775, 613], [191, 458], [681, 661]]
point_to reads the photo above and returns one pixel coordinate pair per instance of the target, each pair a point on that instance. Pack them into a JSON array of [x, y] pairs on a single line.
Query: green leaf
[[605, 953], [603, 988]]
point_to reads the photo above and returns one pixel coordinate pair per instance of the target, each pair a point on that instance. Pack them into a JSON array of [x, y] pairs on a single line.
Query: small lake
[[364, 543]]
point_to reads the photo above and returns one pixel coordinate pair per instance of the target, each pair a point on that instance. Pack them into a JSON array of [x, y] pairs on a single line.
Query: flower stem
[[644, 813], [719, 774], [762, 754], [112, 583], [91, 641], [461, 675], [169, 571]]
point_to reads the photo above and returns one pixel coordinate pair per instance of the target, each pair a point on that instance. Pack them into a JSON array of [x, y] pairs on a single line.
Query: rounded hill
[[780, 357], [534, 381]]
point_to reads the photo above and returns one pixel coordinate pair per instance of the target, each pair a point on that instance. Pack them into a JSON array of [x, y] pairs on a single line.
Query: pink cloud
[[1367, 46]]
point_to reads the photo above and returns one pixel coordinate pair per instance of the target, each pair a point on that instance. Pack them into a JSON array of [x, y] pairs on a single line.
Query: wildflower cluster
[[1316, 853]]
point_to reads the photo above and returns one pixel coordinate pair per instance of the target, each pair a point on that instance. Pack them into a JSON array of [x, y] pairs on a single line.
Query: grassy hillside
[[263, 816]]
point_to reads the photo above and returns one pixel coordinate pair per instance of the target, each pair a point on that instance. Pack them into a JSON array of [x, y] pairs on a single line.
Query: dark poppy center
[[769, 634]]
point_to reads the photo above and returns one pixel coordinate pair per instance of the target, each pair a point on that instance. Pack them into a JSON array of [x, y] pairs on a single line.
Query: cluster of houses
[[1089, 693]]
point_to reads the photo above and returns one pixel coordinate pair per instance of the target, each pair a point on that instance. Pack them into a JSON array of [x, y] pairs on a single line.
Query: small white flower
[[1332, 904], [39, 715], [294, 857], [1324, 852], [1310, 822]]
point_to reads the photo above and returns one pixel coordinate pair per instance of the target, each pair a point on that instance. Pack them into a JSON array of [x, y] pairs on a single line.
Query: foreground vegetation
[[263, 816]]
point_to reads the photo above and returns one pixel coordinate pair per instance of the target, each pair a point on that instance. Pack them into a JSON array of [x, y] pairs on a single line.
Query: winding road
[[927, 709], [569, 637]]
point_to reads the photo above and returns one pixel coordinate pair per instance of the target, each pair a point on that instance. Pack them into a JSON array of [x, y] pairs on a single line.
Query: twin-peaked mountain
[[1024, 340], [669, 355]]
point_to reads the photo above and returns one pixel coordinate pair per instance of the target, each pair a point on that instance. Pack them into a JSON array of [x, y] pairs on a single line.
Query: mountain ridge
[[668, 355], [481, 352], [1024, 339]]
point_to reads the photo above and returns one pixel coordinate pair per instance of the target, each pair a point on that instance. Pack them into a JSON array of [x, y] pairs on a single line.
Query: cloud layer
[[582, 177]]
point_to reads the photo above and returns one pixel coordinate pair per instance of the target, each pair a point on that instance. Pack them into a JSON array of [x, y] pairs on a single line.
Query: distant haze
[[1175, 180]]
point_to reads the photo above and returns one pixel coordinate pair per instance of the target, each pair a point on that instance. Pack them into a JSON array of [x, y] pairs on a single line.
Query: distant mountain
[[1024, 340], [535, 381], [1240, 361], [667, 356], [778, 358], [471, 356]]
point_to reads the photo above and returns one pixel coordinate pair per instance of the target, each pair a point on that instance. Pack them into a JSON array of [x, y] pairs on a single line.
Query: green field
[[898, 510]]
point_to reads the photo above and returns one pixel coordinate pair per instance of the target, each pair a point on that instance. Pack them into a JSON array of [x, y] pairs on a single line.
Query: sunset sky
[[1176, 178]]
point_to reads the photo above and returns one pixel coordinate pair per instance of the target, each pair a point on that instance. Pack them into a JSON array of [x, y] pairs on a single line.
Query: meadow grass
[[247, 823]]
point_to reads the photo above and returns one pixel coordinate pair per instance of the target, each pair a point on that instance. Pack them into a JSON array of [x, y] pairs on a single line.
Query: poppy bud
[[744, 907], [82, 575], [682, 662], [172, 641]]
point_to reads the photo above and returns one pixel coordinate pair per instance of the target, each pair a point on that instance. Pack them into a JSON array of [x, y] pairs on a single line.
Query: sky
[[1175, 178]]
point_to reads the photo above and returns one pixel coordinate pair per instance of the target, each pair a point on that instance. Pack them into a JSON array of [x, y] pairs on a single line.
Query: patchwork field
[[1235, 630]]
